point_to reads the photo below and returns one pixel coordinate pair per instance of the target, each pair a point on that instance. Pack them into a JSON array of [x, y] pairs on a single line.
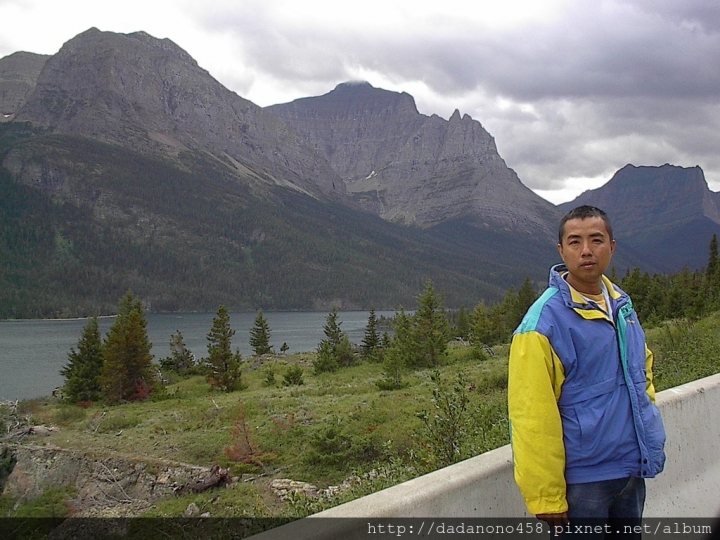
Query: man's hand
[[554, 520]]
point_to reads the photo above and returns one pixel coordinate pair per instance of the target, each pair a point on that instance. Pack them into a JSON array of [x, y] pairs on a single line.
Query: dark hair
[[583, 212]]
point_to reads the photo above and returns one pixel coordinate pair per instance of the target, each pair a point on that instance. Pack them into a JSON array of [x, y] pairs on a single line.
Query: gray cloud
[[579, 93], [616, 48]]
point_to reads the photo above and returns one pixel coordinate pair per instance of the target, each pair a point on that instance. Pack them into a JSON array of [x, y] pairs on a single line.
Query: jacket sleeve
[[535, 376], [649, 386]]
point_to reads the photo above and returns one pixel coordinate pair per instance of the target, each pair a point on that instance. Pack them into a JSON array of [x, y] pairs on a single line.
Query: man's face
[[586, 250]]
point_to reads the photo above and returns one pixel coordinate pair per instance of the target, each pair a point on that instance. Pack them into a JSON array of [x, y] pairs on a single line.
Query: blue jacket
[[580, 396]]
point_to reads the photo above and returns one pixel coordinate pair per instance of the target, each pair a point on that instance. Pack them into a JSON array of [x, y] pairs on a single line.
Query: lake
[[33, 352]]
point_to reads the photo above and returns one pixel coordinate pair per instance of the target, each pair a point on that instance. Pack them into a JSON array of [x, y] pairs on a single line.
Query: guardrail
[[483, 486]]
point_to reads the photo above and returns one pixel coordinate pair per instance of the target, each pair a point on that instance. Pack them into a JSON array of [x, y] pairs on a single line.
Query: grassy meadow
[[333, 429]]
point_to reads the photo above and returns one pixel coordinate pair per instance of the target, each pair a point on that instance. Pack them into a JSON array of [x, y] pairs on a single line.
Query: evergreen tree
[[482, 331], [223, 364], [525, 298], [181, 359], [650, 308], [332, 330], [400, 352], [431, 328], [712, 266], [463, 325], [293, 376], [335, 350], [344, 351], [638, 286], [712, 276], [507, 315], [260, 335], [325, 360], [82, 374], [371, 342], [128, 373]]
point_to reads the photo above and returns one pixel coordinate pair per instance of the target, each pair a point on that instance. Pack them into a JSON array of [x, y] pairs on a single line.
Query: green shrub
[[115, 423], [446, 430], [489, 428], [293, 376], [51, 504], [335, 444], [325, 360], [686, 352], [269, 377], [493, 379], [68, 414], [460, 354]]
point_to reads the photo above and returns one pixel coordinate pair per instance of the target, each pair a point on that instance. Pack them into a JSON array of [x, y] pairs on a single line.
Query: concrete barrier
[[484, 487], [690, 484]]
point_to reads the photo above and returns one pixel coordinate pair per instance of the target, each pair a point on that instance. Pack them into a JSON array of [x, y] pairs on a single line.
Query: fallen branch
[[29, 430], [217, 477], [17, 434], [100, 421], [128, 498]]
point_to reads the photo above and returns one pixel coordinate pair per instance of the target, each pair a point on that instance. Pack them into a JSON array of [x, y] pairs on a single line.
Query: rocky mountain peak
[[150, 95], [638, 197], [19, 73], [354, 100], [667, 213], [412, 168]]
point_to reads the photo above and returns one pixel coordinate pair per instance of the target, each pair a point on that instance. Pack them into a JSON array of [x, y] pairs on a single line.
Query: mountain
[[129, 166], [150, 96], [667, 214], [18, 76], [415, 169]]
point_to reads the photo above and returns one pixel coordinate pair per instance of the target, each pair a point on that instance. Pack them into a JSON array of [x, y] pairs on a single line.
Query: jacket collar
[[574, 299]]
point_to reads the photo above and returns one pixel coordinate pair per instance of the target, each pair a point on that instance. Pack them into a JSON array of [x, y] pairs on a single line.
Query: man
[[584, 427]]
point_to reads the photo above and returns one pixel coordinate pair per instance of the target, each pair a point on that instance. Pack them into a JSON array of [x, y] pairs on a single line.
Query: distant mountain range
[[125, 164]]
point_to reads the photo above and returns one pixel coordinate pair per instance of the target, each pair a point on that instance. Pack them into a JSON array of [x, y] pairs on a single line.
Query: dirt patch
[[106, 485]]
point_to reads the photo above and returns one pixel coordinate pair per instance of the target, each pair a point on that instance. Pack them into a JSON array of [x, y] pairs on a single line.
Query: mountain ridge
[[125, 164], [415, 169], [668, 213], [150, 95]]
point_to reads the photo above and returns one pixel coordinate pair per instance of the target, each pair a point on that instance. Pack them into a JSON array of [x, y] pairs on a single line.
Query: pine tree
[[224, 365], [128, 373], [332, 330], [431, 328], [712, 275], [181, 359], [712, 266], [371, 342], [335, 350], [400, 352], [462, 327], [260, 335], [344, 351], [507, 314], [325, 361], [525, 298], [482, 332], [82, 374]]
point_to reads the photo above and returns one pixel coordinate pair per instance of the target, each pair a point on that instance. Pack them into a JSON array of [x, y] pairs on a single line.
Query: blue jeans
[[607, 509]]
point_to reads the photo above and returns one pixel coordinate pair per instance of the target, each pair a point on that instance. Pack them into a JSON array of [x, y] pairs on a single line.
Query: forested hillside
[[102, 219]]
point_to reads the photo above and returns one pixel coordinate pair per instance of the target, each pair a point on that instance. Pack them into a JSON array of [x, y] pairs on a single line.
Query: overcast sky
[[572, 90]]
